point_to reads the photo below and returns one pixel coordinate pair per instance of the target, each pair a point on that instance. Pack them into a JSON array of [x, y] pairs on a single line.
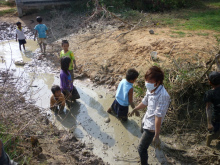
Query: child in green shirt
[[67, 53]]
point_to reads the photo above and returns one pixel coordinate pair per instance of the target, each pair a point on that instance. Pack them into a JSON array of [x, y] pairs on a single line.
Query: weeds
[[8, 11]]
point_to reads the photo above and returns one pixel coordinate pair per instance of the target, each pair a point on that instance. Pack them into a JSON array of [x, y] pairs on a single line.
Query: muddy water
[[115, 142]]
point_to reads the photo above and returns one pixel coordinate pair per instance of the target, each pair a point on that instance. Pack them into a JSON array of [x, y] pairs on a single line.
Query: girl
[[66, 83], [67, 53]]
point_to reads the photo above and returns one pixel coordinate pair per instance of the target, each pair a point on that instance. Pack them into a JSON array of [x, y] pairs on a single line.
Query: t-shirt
[[70, 55], [41, 29], [20, 34], [66, 82], [122, 92], [213, 96], [58, 101]]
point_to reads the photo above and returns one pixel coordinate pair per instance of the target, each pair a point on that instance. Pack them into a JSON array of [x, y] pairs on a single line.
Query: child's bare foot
[[109, 110]]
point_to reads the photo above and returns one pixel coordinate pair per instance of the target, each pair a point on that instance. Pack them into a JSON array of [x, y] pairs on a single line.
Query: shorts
[[74, 92], [41, 40], [22, 42], [121, 111]]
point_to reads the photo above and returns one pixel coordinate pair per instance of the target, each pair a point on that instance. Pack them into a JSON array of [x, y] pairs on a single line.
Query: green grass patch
[[202, 34], [8, 11], [6, 3], [178, 34]]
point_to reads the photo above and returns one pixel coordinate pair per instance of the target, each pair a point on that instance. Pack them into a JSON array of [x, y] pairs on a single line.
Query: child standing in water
[[67, 53], [212, 98], [66, 83], [20, 35], [57, 100], [41, 30], [124, 95]]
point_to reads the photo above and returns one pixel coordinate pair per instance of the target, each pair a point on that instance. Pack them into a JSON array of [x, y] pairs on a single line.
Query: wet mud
[[115, 142]]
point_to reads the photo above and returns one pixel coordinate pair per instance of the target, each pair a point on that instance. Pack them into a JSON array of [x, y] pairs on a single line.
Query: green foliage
[[8, 11]]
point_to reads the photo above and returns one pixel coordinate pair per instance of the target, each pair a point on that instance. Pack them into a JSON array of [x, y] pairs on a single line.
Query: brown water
[[115, 142]]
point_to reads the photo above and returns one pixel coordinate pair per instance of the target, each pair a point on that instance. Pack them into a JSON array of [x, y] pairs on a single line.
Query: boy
[[20, 35], [41, 30], [212, 97], [157, 101], [124, 95], [57, 100], [67, 53]]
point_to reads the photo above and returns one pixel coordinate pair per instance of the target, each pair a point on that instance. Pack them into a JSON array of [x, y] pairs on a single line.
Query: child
[[57, 100], [67, 53], [66, 83], [124, 95], [212, 97], [157, 101], [20, 35], [41, 30]]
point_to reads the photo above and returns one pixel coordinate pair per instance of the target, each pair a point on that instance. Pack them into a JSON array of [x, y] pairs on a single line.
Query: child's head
[[65, 63], [56, 90], [131, 75], [214, 78], [155, 76], [65, 45], [18, 24], [39, 19]]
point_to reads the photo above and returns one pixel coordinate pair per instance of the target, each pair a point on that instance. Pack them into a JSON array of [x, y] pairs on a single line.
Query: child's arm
[[35, 35], [74, 63], [130, 98], [209, 115], [16, 37]]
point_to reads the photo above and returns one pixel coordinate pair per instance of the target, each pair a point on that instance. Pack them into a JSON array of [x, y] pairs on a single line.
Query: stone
[[107, 120], [151, 31], [20, 63]]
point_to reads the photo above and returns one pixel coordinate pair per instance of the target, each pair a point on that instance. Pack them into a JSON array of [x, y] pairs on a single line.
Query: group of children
[[156, 100]]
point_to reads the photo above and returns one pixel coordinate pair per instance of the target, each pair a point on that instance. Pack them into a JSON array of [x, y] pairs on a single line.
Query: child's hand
[[210, 127], [133, 112]]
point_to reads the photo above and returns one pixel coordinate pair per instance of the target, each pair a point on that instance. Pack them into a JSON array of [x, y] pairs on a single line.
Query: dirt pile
[[30, 138]]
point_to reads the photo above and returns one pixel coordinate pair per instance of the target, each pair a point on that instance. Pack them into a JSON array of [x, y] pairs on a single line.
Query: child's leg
[[44, 45], [24, 46], [20, 47], [41, 48], [211, 137]]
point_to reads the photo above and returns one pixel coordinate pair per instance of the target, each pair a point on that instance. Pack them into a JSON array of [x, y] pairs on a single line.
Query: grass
[[202, 34], [8, 11], [178, 33], [6, 3]]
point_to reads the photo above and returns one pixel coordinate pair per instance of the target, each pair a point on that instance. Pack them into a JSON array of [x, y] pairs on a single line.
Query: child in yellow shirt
[[67, 53]]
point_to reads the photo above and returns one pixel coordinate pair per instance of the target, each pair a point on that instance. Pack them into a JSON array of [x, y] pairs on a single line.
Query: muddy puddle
[[115, 142]]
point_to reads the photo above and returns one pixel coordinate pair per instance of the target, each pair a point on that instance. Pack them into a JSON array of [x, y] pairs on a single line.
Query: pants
[[146, 139]]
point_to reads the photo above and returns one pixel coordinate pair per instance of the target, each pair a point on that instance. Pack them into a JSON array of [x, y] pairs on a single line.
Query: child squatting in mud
[[124, 95], [212, 97], [57, 100]]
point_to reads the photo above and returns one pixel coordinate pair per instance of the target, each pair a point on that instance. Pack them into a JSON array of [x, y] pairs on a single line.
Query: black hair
[[214, 78], [55, 88], [131, 74], [155, 73], [18, 23], [65, 42], [65, 62], [39, 19]]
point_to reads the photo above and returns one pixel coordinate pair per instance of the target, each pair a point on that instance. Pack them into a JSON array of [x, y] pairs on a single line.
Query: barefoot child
[[157, 101], [66, 83], [124, 95], [57, 100], [67, 53], [212, 97], [20, 35], [41, 30]]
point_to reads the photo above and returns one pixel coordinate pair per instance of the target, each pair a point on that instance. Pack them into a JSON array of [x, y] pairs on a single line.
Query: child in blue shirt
[[41, 30], [124, 95]]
